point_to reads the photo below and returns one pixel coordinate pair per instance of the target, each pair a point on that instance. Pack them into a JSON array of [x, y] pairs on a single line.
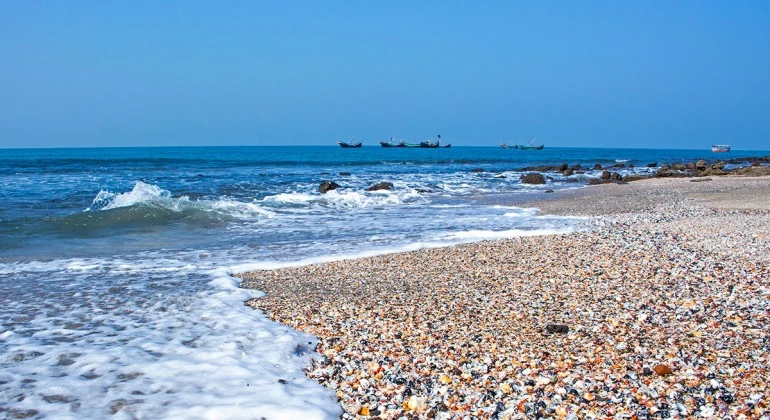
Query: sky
[[649, 74]]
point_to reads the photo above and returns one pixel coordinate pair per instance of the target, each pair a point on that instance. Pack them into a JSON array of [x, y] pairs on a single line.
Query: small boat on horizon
[[391, 144], [350, 144], [427, 144], [532, 145], [720, 148], [509, 146]]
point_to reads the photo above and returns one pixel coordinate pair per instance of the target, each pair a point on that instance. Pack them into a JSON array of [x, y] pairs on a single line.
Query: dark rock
[[700, 180], [533, 178], [563, 167], [678, 167], [652, 164], [571, 180], [701, 165], [567, 172], [619, 165], [344, 173], [630, 178], [327, 186], [646, 371], [605, 175], [549, 191], [557, 328], [595, 181], [597, 167], [477, 170], [616, 177], [381, 186], [718, 165], [755, 171]]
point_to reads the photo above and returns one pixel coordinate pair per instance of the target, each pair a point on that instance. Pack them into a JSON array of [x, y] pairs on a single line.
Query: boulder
[[652, 164], [533, 178], [630, 178], [597, 166], [344, 173], [327, 186], [477, 170], [549, 191], [718, 165], [701, 165], [563, 167], [755, 171], [605, 175], [567, 172], [381, 186], [595, 181]]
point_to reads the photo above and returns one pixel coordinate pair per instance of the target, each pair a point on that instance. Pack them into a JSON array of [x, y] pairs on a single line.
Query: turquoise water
[[115, 263]]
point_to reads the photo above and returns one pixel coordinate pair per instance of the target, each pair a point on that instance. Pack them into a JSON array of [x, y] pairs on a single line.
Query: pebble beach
[[658, 308]]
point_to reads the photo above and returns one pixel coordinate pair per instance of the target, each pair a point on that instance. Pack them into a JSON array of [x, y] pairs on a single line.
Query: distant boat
[[347, 145], [720, 148], [391, 144], [509, 146], [531, 146], [427, 144]]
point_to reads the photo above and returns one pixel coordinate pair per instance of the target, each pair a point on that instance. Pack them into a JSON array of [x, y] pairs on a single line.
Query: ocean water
[[116, 288]]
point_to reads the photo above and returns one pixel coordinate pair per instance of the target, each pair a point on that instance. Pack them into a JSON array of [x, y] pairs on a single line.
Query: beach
[[658, 308]]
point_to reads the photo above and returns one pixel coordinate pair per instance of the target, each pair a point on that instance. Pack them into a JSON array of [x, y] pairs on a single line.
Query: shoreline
[[664, 302]]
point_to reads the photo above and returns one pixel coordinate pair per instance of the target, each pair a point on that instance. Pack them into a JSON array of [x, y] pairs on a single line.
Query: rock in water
[[533, 178], [327, 186], [381, 186]]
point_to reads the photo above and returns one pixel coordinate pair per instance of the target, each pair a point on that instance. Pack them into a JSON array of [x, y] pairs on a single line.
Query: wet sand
[[661, 308]]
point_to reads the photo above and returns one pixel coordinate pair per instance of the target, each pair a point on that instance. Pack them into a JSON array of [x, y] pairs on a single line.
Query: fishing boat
[[509, 146], [531, 145], [720, 148], [537, 147], [427, 144], [391, 144], [348, 145]]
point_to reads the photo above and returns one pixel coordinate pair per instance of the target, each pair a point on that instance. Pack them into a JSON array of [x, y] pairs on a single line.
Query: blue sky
[[652, 74]]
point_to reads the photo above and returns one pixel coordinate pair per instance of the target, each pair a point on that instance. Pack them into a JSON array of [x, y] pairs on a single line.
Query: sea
[[117, 295]]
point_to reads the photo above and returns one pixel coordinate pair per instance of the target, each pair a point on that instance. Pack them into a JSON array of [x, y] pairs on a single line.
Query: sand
[[660, 309]]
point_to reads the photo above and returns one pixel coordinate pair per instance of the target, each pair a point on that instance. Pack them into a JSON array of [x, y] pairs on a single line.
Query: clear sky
[[655, 74]]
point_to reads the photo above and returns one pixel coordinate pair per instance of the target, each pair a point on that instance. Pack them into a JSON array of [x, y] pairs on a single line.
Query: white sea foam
[[144, 351], [148, 194]]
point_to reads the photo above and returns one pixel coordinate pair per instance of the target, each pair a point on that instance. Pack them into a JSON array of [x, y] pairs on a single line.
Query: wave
[[151, 196]]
